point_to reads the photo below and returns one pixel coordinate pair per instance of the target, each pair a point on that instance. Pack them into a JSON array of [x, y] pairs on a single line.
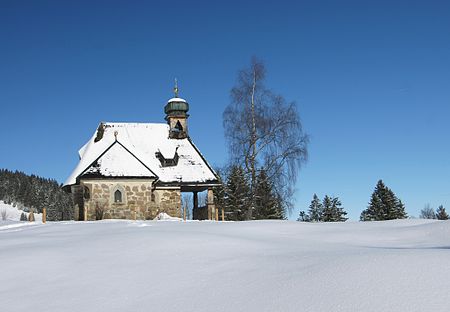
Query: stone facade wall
[[138, 200], [77, 194]]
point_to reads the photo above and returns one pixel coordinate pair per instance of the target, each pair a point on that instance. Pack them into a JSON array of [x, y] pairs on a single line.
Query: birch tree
[[264, 132]]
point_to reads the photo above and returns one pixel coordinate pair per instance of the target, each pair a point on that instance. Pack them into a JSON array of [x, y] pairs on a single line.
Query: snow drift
[[226, 266]]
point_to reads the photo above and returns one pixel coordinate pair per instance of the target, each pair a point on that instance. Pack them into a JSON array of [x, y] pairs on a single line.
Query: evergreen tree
[[441, 214], [332, 210], [383, 205], [338, 211], [267, 205], [327, 205], [401, 212], [237, 195], [315, 211]]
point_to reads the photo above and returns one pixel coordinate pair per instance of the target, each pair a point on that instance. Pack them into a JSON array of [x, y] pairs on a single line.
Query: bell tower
[[176, 115]]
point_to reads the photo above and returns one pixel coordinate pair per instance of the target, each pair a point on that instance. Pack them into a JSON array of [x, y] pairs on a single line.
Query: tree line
[[33, 192], [328, 210], [383, 205]]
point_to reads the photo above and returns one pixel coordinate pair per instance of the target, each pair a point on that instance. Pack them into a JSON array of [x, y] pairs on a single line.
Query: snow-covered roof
[[134, 155], [176, 99]]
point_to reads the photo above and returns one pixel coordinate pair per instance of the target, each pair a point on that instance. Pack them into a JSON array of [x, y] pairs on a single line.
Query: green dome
[[176, 105]]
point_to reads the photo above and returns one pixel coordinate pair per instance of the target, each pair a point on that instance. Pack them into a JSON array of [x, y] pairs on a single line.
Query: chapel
[[139, 170]]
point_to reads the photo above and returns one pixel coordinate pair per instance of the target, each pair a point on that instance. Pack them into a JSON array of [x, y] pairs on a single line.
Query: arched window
[[153, 197], [117, 196], [86, 193]]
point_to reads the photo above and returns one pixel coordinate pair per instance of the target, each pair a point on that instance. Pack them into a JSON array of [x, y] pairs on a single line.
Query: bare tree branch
[[264, 132]]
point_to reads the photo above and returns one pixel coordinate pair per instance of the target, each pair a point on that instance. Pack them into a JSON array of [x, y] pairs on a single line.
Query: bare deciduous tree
[[427, 212], [264, 131]]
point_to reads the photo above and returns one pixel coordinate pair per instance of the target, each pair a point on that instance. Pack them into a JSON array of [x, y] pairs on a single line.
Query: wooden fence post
[[85, 213], [223, 214], [44, 215]]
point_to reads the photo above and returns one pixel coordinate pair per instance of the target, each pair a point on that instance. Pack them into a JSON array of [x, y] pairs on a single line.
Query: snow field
[[108, 265]]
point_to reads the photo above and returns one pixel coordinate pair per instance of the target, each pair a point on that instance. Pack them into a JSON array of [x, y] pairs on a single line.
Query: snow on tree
[[327, 204], [383, 205], [441, 214], [32, 192], [315, 211], [338, 211], [333, 210]]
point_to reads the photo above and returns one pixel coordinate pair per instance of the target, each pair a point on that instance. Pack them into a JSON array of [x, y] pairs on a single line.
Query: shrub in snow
[[23, 217], [303, 217]]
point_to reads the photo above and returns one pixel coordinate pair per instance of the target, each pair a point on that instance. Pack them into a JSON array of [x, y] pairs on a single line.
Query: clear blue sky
[[371, 78]]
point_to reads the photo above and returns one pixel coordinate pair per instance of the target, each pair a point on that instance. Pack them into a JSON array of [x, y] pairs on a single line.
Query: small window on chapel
[[117, 196], [153, 197]]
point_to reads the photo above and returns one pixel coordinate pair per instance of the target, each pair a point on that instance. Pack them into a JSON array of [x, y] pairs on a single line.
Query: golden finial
[[175, 89]]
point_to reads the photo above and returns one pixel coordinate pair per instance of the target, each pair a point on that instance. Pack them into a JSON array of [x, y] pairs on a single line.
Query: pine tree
[[267, 205], [383, 205], [401, 212], [315, 211], [332, 210], [441, 214], [237, 195], [338, 211], [327, 205]]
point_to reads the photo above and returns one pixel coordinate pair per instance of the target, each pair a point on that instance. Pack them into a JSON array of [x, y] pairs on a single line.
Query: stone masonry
[[138, 199]]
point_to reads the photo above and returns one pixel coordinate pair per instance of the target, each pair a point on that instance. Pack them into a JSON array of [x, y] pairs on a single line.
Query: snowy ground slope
[[207, 266], [13, 213]]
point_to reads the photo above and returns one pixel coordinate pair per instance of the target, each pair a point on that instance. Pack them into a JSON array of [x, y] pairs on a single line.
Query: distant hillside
[[30, 191]]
